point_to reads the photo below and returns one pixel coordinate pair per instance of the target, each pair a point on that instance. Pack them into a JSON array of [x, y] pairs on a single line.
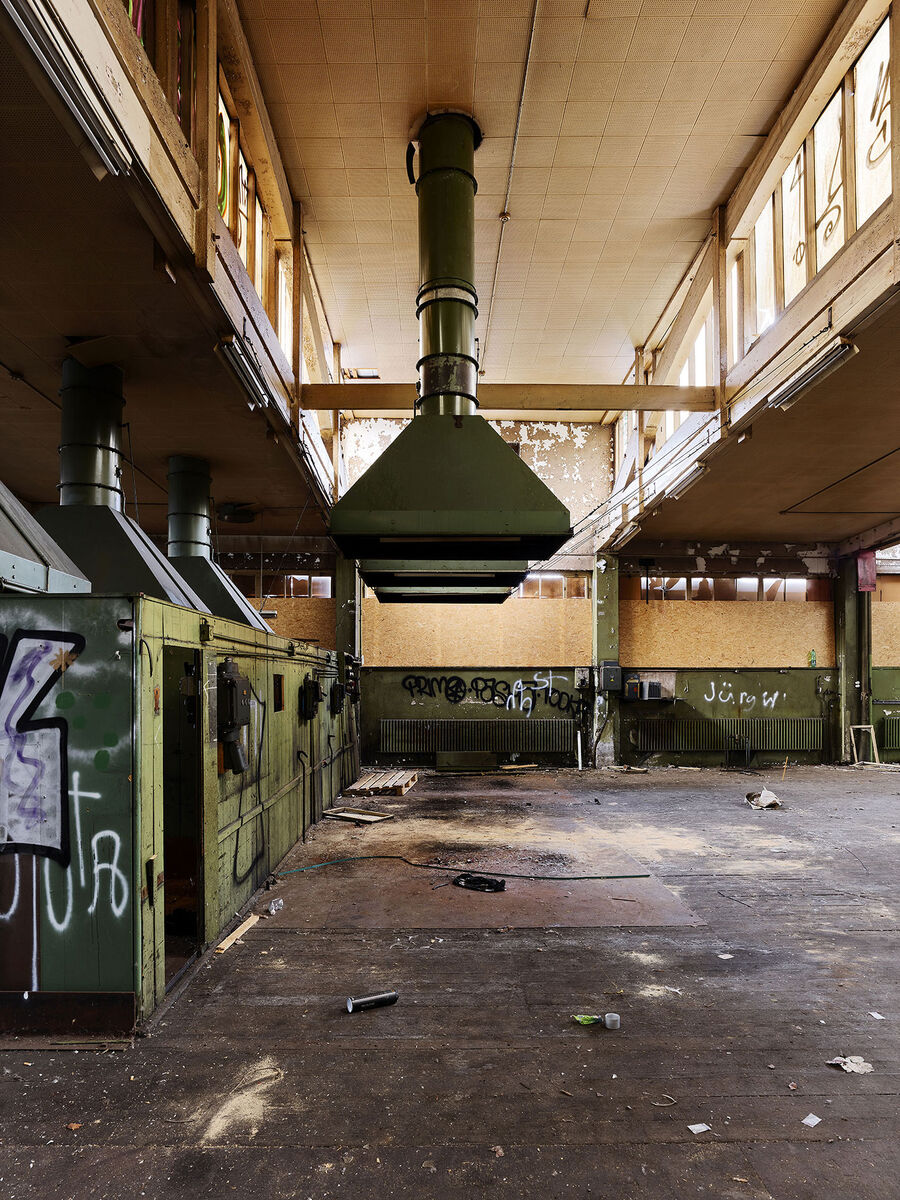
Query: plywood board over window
[[722, 635], [513, 634]]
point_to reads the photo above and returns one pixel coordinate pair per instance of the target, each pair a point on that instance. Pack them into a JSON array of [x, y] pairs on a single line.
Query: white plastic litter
[[812, 1120], [724, 956], [877, 1016], [275, 906], [855, 1064], [763, 799], [699, 1128]]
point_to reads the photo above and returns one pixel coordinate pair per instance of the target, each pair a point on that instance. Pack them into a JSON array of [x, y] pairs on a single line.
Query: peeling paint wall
[[574, 459]]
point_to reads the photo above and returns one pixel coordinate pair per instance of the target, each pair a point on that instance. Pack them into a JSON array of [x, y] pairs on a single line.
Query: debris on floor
[[877, 1016], [479, 883], [763, 799], [378, 1000], [627, 770], [811, 1120], [362, 816], [700, 1127], [228, 942], [275, 906], [665, 1101], [382, 783], [607, 1020], [724, 956], [855, 1064]]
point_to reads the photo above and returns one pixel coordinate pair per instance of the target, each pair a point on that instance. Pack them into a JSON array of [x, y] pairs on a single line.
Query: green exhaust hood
[[449, 487], [449, 490], [413, 574]]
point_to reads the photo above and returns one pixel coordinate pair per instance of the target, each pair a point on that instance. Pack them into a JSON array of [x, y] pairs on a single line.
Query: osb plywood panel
[[518, 633], [886, 634], [887, 587], [306, 619], [680, 633]]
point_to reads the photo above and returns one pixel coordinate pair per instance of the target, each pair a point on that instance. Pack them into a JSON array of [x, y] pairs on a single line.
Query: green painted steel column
[[347, 594], [852, 644], [605, 647], [189, 522], [447, 301], [90, 453]]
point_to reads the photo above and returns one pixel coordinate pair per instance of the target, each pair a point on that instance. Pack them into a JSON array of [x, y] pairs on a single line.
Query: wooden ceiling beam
[[379, 398]]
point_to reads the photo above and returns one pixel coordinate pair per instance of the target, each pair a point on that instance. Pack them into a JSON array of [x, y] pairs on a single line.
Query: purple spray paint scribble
[[30, 805]]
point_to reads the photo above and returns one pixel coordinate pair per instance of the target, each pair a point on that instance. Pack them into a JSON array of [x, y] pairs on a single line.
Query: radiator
[[890, 733], [764, 733], [532, 734]]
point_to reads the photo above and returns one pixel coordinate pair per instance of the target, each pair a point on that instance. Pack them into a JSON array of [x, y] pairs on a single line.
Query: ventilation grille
[[891, 733], [534, 734], [764, 733]]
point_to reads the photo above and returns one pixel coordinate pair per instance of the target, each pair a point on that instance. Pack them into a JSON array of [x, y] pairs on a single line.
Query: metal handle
[[410, 155]]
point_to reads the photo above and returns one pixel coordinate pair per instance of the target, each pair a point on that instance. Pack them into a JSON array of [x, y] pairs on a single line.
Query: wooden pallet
[[382, 783]]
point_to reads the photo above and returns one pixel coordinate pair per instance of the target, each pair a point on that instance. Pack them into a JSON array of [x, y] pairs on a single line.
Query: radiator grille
[[535, 734], [890, 733], [764, 733]]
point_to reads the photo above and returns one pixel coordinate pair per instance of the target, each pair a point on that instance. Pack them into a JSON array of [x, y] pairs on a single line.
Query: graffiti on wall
[[520, 695], [46, 813], [34, 774], [724, 693]]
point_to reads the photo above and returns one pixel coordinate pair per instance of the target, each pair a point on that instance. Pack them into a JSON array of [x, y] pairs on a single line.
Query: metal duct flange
[[445, 376]]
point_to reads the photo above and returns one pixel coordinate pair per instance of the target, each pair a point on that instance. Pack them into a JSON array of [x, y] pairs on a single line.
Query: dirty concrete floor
[[478, 1083]]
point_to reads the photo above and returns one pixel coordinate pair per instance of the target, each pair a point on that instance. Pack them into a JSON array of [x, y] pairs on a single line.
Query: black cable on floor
[[438, 867]]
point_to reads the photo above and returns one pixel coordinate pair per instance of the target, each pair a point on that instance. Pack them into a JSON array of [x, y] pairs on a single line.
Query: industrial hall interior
[[449, 515]]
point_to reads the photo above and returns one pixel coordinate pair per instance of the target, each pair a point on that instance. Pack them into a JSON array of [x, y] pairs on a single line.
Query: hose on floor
[[438, 867]]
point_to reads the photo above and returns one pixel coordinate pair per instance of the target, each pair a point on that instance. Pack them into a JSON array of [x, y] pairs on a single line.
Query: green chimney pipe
[[90, 453], [189, 528], [447, 303]]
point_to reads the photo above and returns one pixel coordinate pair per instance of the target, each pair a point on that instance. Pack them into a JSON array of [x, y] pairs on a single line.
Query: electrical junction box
[[582, 678], [233, 713], [309, 698], [632, 688], [651, 689], [610, 676]]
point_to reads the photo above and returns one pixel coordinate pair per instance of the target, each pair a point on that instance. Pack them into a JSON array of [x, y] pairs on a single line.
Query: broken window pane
[[828, 146], [872, 87], [764, 231]]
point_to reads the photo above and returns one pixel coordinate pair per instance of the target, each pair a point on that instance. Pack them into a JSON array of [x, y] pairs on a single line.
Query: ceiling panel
[[638, 118]]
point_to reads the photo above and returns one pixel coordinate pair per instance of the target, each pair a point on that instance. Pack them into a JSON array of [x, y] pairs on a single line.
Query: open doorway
[[182, 810]]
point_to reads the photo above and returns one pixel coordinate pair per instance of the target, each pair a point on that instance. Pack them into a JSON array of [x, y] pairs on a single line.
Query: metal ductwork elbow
[[448, 502]]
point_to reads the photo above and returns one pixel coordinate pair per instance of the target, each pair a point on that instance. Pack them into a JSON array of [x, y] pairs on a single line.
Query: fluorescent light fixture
[[689, 480], [360, 373], [626, 535], [232, 350], [823, 364]]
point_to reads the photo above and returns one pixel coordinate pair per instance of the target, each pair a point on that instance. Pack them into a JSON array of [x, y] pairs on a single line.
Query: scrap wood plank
[[367, 815], [228, 942]]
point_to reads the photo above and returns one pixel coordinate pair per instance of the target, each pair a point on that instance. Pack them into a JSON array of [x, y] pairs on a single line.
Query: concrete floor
[[478, 1083]]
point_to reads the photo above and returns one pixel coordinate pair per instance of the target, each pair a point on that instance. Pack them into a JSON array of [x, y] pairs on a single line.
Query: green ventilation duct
[[90, 524], [189, 546], [449, 490]]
